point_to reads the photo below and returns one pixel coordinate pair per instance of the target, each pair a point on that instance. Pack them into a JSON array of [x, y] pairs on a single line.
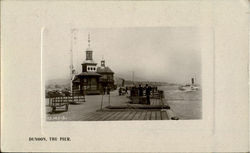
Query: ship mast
[[72, 70]]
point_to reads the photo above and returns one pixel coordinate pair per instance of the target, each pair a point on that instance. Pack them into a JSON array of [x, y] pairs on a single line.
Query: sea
[[186, 105]]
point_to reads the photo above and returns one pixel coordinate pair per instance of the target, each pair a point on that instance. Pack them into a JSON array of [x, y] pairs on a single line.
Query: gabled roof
[[104, 70], [76, 79]]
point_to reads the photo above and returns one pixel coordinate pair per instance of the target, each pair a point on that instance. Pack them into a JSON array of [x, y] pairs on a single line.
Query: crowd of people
[[139, 91]]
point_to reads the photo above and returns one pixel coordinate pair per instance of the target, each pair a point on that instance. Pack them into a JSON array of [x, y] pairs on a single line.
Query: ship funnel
[[192, 80]]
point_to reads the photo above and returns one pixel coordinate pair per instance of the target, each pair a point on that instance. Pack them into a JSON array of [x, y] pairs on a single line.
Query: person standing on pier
[[126, 90], [108, 89], [140, 90], [140, 93], [104, 90], [148, 90], [120, 91]]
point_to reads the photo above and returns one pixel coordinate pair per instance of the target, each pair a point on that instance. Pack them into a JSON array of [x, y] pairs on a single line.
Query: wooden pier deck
[[155, 111], [121, 108], [133, 114]]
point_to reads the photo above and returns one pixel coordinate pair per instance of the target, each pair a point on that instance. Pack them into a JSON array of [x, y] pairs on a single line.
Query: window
[[89, 55], [91, 68], [88, 68]]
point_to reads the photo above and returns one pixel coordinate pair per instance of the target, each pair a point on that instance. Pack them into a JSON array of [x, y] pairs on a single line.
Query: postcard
[[124, 76]]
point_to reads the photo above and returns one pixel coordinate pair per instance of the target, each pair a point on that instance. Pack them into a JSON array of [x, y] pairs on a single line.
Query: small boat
[[189, 87]]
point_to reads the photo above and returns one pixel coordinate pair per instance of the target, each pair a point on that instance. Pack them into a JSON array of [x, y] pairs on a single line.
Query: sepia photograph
[[125, 76], [108, 74]]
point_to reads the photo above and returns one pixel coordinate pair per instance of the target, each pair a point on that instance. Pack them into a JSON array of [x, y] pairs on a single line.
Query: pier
[[120, 108], [121, 114]]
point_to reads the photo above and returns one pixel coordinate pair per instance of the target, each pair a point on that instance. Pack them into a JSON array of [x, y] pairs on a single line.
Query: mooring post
[[109, 99], [161, 96]]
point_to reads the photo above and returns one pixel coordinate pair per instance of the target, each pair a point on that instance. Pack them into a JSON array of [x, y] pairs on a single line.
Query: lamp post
[[102, 100], [108, 89]]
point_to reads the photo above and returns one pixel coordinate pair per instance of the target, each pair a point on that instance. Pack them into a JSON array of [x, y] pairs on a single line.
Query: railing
[[161, 97], [64, 101], [56, 102], [136, 99]]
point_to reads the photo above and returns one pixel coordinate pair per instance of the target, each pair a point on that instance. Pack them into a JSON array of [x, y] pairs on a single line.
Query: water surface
[[185, 105]]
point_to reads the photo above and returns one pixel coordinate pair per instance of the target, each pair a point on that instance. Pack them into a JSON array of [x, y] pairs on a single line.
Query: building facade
[[107, 77], [92, 79]]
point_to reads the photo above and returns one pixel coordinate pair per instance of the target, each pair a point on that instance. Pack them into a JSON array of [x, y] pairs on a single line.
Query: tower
[[89, 65], [72, 69], [89, 51]]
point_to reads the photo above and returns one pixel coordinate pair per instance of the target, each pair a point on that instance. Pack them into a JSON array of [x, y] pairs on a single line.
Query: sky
[[169, 54]]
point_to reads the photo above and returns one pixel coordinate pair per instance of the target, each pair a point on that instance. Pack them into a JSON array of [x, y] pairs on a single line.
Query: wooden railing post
[[109, 100], [102, 102], [161, 98]]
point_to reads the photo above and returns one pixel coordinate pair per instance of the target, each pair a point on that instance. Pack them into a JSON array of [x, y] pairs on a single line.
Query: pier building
[[92, 79]]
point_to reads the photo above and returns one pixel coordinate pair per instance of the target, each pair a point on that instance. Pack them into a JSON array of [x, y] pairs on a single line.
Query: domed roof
[[104, 70]]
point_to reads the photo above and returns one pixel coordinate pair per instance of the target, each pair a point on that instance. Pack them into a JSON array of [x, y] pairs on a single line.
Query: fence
[[64, 101], [157, 95]]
